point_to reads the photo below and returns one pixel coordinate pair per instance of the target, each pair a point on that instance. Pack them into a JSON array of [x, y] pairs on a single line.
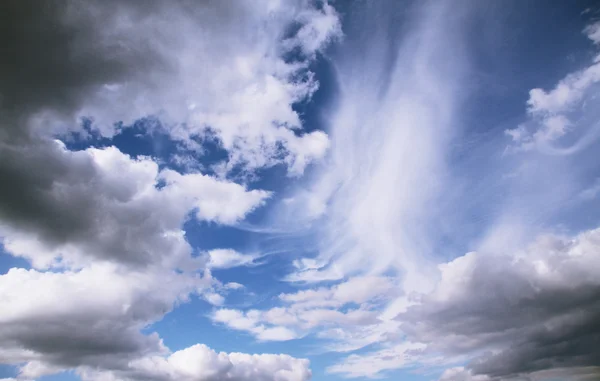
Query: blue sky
[[396, 190]]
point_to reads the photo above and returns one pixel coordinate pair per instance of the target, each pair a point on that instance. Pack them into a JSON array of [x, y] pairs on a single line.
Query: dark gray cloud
[[62, 56], [57, 55], [116, 61], [517, 315], [97, 213], [91, 343], [63, 198]]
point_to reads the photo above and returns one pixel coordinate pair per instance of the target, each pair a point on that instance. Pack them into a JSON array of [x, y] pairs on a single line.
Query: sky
[[300, 190]]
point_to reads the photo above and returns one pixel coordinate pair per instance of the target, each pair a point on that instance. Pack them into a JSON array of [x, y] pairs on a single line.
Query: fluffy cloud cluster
[[114, 248], [90, 317], [103, 231], [227, 258], [206, 70], [551, 110], [336, 313], [527, 315], [64, 208], [200, 363], [531, 311]]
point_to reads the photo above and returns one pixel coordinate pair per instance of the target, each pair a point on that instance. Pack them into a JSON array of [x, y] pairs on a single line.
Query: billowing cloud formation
[[103, 231], [534, 310], [525, 315], [100, 203], [121, 62], [103, 218], [509, 313], [550, 110], [102, 234], [90, 317], [200, 363]]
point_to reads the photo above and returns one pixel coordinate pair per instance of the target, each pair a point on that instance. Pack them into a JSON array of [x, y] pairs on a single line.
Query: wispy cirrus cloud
[[384, 211], [386, 171]]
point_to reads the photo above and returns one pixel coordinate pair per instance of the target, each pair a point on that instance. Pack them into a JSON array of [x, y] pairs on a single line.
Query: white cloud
[[234, 286], [200, 363], [593, 32], [500, 313], [549, 109], [118, 213], [319, 27], [214, 298], [232, 82], [251, 322], [461, 374], [92, 317], [310, 311], [104, 231], [507, 311], [372, 364], [568, 91], [220, 201], [356, 290], [377, 198], [349, 338], [227, 258]]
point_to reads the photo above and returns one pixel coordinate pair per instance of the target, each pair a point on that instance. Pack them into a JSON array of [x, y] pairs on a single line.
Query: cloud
[[91, 317], [356, 290], [102, 230], [234, 286], [550, 111], [319, 311], [377, 211], [228, 258], [518, 313], [62, 207], [593, 32], [251, 322], [109, 227], [460, 374], [525, 315], [372, 364], [200, 363], [232, 83]]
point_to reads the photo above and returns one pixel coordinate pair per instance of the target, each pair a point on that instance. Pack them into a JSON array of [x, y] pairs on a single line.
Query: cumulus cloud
[[530, 314], [200, 363], [233, 82], [112, 224], [519, 313], [550, 111], [102, 204], [90, 317], [103, 231], [227, 258]]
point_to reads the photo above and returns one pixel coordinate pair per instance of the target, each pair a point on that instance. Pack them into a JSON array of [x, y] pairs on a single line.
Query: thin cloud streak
[[390, 137]]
